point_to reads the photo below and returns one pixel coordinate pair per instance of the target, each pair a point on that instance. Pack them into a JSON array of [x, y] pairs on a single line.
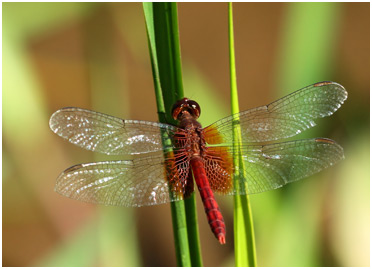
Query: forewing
[[131, 183], [107, 134], [272, 166], [283, 118]]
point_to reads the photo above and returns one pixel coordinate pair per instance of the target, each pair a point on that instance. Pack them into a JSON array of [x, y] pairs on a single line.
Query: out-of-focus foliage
[[96, 56]]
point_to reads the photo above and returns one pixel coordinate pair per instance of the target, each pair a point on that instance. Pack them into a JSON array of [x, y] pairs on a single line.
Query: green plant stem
[[163, 37], [245, 249]]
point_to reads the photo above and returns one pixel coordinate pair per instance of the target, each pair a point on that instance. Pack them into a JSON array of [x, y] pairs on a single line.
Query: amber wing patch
[[177, 173], [212, 135], [219, 169]]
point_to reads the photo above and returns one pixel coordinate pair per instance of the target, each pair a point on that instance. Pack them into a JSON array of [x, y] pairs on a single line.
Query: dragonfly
[[159, 160]]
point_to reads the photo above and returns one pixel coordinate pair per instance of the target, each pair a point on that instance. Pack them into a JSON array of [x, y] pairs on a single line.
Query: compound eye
[[185, 105], [195, 108]]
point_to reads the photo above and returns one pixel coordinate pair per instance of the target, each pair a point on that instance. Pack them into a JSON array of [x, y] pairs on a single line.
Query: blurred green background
[[95, 56]]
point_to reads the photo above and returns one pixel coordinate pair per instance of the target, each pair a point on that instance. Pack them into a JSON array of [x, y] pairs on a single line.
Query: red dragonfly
[[154, 172]]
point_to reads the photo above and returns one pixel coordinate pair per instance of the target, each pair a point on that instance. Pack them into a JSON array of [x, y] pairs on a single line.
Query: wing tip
[[53, 121], [332, 143], [338, 87]]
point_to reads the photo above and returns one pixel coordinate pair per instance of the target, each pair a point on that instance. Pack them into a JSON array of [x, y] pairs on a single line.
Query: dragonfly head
[[185, 106]]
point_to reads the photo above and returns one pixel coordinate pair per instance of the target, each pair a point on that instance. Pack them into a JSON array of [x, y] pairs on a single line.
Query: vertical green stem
[[163, 37], [245, 249]]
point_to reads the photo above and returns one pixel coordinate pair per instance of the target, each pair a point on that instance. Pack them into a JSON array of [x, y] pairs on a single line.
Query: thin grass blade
[[245, 250]]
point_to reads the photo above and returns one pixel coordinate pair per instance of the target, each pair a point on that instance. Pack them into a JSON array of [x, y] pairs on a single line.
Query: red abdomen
[[212, 210]]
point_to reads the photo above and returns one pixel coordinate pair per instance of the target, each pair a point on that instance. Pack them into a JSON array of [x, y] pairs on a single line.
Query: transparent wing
[[283, 118], [272, 166], [107, 134], [131, 183]]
